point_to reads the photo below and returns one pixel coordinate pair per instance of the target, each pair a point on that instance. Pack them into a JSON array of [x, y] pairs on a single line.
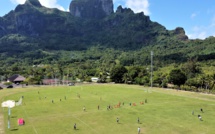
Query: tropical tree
[[191, 68], [117, 73], [177, 77]]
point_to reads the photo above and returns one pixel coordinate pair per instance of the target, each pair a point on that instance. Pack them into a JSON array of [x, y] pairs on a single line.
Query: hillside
[[31, 26], [92, 39]]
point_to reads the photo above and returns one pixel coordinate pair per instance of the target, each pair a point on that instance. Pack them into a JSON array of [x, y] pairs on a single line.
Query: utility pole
[[151, 69]]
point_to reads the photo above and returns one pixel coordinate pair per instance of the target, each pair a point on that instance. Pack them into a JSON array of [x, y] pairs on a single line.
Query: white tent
[[8, 103]]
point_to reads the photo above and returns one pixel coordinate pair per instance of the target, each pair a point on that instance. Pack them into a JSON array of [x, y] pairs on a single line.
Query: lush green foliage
[[177, 77], [56, 44]]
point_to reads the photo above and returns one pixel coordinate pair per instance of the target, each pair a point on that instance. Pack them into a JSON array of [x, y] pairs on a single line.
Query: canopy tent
[[8, 103]]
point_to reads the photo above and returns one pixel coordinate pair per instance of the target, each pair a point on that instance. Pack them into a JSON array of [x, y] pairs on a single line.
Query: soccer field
[[55, 110]]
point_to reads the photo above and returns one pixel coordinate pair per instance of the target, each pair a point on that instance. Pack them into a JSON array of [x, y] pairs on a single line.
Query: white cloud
[[193, 15], [198, 32], [18, 1], [46, 3], [202, 32], [138, 6], [51, 4], [198, 35], [213, 22]]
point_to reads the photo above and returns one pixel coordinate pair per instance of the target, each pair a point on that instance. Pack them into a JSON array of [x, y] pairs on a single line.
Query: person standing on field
[[138, 130], [75, 126], [117, 120], [201, 110], [200, 118]]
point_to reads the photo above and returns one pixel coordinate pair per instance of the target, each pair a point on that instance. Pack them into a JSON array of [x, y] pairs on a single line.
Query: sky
[[197, 17]]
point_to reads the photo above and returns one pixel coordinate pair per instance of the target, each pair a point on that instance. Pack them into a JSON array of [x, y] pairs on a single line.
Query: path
[[1, 124]]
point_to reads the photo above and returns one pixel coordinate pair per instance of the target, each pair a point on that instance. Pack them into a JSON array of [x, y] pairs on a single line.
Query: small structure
[[16, 78], [8, 103], [94, 79], [51, 81], [21, 122]]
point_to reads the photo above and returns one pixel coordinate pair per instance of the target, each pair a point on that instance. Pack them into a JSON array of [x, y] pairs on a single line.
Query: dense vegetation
[[39, 43]]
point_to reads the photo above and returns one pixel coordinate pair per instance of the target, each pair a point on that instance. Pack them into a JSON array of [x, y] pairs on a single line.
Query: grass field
[[166, 111]]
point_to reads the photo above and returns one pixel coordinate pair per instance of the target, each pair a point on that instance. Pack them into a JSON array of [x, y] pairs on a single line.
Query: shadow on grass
[[14, 129], [13, 116]]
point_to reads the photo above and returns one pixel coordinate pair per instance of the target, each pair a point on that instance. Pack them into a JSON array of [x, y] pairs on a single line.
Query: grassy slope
[[167, 111]]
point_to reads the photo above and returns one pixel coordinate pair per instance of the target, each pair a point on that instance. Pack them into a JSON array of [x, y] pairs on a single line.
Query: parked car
[[71, 84], [10, 86]]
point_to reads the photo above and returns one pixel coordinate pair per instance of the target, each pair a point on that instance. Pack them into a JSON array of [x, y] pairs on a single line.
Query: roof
[[16, 77]]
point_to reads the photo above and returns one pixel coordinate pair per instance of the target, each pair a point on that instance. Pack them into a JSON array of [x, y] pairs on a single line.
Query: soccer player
[[138, 130], [117, 120], [75, 126], [200, 118]]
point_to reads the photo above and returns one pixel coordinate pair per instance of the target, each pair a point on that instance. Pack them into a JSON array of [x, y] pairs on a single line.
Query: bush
[[8, 83]]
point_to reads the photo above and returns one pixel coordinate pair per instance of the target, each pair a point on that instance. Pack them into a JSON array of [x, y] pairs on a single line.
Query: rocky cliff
[[90, 22], [33, 2], [91, 9]]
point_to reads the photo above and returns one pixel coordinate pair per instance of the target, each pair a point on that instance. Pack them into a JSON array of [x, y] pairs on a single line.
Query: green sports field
[[166, 111]]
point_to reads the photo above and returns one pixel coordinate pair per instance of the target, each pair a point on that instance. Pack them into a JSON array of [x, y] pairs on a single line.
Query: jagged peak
[[91, 9], [33, 2], [120, 9]]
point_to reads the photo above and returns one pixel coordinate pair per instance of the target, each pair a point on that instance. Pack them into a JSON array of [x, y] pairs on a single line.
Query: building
[[51, 81], [16, 78]]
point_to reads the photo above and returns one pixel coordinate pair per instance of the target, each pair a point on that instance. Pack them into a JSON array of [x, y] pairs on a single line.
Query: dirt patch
[[1, 124]]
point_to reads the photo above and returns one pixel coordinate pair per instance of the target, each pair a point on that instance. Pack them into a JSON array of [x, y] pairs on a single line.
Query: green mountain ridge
[[31, 29], [93, 41]]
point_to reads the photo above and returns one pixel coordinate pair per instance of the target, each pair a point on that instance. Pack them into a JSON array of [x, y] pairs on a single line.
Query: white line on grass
[[85, 124], [1, 124], [31, 122]]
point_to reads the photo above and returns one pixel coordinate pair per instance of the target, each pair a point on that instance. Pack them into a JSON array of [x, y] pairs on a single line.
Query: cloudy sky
[[197, 17]]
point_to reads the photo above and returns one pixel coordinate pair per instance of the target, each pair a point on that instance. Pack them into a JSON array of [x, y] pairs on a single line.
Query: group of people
[[138, 121], [199, 116], [117, 120]]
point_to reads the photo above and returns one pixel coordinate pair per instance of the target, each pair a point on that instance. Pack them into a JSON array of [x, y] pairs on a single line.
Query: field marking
[[2, 120], [82, 121], [30, 122], [85, 124], [1, 123]]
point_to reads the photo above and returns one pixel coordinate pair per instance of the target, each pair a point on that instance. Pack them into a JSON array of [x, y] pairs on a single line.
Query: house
[[16, 78], [51, 81]]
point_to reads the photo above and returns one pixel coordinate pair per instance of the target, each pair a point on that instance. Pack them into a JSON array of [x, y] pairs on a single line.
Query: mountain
[[93, 9], [32, 30]]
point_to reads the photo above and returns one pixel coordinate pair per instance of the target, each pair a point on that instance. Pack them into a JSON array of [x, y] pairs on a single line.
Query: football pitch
[[94, 108]]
